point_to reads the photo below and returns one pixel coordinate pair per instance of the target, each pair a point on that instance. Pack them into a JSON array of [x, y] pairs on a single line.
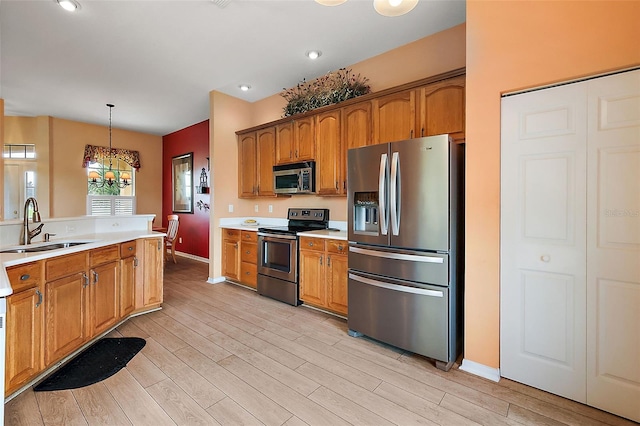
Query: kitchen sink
[[42, 247]]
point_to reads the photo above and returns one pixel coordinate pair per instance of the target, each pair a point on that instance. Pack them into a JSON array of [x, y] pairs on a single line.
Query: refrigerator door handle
[[397, 256], [396, 287], [394, 202], [382, 191]]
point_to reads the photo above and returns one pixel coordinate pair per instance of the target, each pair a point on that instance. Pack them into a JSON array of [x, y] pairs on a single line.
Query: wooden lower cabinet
[[150, 273], [231, 253], [323, 273], [128, 264], [25, 338], [103, 302], [249, 258]]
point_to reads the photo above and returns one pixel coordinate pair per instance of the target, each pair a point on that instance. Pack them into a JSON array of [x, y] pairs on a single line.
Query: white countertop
[[325, 233], [93, 240]]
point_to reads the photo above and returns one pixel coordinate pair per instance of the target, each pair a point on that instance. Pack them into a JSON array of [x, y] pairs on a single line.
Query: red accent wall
[[194, 228]]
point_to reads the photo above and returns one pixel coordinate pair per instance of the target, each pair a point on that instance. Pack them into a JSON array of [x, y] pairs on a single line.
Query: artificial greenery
[[329, 89]]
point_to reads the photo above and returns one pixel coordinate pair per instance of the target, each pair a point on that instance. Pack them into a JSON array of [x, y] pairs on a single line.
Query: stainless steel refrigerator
[[405, 230]]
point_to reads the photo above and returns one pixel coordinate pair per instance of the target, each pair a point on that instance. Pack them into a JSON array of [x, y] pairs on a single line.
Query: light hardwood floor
[[221, 354]]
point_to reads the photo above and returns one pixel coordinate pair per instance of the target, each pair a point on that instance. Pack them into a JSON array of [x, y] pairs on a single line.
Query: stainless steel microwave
[[297, 178]]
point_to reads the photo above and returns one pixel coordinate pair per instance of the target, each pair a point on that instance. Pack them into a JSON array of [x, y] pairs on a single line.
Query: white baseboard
[[481, 370], [216, 280], [192, 256]]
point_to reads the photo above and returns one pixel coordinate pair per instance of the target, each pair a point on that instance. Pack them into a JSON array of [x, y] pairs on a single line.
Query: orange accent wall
[[513, 45]]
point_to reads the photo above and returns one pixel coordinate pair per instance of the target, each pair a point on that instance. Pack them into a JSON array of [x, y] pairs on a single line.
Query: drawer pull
[[130, 248], [248, 252], [25, 277], [340, 247]]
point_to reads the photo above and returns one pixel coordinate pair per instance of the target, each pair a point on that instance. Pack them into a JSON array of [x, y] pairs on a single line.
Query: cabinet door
[[442, 108], [65, 312], [230, 258], [305, 139], [127, 285], [337, 283], [357, 131], [153, 271], [103, 302], [329, 163], [312, 276], [284, 143], [247, 165], [394, 117], [24, 352], [266, 140]]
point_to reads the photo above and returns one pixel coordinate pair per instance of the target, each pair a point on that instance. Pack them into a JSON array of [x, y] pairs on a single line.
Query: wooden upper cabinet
[[266, 140], [247, 164], [394, 117], [442, 108], [305, 139], [328, 158], [357, 131], [296, 141], [284, 143]]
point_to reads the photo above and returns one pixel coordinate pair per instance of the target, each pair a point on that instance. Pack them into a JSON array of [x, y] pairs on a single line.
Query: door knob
[[545, 258]]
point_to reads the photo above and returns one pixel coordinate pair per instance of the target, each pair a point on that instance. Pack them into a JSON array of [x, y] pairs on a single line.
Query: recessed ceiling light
[[313, 54], [69, 5], [244, 87]]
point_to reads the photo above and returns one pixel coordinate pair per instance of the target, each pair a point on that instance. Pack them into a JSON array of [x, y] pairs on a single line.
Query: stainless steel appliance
[[405, 230], [278, 254], [297, 178]]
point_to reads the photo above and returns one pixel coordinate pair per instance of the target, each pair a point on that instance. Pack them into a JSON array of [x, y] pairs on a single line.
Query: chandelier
[[109, 178], [383, 7]]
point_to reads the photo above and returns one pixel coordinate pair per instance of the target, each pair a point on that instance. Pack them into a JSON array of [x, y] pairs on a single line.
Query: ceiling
[[157, 61]]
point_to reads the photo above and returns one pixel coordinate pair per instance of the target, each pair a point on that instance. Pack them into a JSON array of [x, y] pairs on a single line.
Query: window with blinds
[[110, 205]]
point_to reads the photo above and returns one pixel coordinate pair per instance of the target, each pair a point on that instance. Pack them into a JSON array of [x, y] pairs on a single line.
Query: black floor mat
[[99, 361]]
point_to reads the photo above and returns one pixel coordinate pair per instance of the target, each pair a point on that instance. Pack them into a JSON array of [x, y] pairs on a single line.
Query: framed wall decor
[[182, 183]]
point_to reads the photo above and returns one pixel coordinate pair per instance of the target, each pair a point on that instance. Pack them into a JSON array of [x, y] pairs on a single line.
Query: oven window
[[288, 181], [277, 255]]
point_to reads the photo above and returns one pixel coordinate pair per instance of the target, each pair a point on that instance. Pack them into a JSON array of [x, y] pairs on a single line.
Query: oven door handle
[[272, 237]]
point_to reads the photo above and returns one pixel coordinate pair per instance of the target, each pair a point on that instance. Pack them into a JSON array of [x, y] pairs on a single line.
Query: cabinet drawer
[[23, 277], [250, 236], [249, 252], [65, 265], [104, 255], [310, 243], [337, 246], [128, 249], [231, 234], [249, 274]]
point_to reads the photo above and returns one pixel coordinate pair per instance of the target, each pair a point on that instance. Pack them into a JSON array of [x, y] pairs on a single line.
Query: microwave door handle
[[382, 191], [394, 202]]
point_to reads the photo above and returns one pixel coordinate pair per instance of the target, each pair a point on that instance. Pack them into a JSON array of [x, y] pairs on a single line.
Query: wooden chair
[[171, 238]]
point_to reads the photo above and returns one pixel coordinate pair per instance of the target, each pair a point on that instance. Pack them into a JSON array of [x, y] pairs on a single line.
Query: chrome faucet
[[28, 235]]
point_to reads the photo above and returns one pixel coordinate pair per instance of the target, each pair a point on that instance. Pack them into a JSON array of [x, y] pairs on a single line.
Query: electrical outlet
[[270, 208], [179, 240], [255, 208], [230, 208]]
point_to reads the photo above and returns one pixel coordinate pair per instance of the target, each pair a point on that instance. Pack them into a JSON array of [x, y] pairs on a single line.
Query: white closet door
[[543, 242], [613, 245]]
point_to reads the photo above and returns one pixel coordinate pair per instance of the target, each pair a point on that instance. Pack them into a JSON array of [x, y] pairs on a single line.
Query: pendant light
[[109, 178]]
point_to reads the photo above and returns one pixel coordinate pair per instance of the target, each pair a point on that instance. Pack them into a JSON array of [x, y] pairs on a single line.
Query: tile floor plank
[[228, 412], [23, 410], [99, 407], [60, 408], [180, 407]]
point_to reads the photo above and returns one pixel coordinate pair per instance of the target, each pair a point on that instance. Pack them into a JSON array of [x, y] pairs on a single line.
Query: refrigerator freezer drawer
[[411, 318], [429, 268]]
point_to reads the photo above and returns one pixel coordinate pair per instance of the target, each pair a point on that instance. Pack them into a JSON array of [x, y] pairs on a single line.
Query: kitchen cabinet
[[442, 108], [149, 273], [248, 162], [394, 117], [323, 273], [329, 179], [231, 253], [357, 131], [249, 258], [25, 325], [128, 264], [103, 302], [256, 156], [295, 141], [66, 280]]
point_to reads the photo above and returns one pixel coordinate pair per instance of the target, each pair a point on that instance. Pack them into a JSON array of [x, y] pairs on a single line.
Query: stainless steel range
[[278, 254]]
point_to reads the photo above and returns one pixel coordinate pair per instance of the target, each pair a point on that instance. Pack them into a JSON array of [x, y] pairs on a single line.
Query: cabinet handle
[[86, 279], [135, 261], [95, 277], [340, 247], [310, 243], [130, 248], [248, 252], [320, 260], [296, 153], [24, 277], [328, 260], [39, 298], [344, 185], [411, 134], [336, 185], [159, 242], [422, 132], [235, 245]]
